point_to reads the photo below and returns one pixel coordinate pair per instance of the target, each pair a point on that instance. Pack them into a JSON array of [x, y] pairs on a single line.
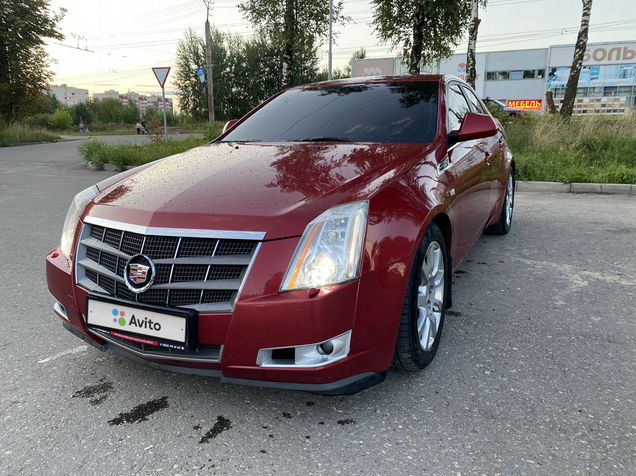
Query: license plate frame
[[189, 315]]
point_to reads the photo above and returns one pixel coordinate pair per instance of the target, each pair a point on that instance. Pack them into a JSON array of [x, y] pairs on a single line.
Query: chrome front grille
[[197, 269]]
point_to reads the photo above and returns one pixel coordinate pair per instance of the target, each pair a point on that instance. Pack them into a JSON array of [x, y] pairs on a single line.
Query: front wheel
[[505, 218], [424, 304]]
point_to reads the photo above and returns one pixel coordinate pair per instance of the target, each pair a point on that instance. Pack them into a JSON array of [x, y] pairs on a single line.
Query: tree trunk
[[5, 103], [567, 106], [288, 52], [473, 27], [549, 99], [418, 40]]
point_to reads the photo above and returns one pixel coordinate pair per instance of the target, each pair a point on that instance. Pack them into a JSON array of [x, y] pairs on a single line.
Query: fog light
[[310, 355], [326, 348]]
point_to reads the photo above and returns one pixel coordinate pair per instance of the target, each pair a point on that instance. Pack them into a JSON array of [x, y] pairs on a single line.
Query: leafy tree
[[344, 72], [82, 112], [112, 111], [338, 73], [245, 73], [357, 54], [567, 106], [262, 72], [50, 104], [191, 57], [151, 116], [24, 73], [297, 27], [427, 30]]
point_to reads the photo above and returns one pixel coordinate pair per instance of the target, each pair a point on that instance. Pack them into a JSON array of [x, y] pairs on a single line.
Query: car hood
[[271, 188]]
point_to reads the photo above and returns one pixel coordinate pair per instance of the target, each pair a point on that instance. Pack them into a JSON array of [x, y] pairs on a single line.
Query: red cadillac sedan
[[310, 247]]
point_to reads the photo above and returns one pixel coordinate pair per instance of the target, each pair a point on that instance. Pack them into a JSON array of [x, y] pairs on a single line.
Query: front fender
[[400, 214]]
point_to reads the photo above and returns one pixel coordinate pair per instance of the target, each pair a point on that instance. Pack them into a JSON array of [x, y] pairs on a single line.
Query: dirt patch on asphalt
[[97, 393], [222, 424], [141, 412], [347, 421]]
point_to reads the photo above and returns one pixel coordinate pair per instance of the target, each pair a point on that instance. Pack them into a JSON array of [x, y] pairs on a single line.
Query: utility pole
[[330, 67], [208, 60]]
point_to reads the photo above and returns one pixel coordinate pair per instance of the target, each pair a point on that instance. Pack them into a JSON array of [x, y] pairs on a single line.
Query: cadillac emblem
[[139, 273]]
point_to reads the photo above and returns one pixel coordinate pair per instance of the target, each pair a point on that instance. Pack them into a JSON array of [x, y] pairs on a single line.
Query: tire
[[412, 351], [505, 218]]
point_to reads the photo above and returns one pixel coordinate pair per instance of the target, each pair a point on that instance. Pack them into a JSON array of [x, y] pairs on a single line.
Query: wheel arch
[[442, 220]]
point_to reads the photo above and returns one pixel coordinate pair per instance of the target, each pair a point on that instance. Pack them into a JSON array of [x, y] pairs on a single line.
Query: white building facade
[[68, 95], [143, 102], [521, 78]]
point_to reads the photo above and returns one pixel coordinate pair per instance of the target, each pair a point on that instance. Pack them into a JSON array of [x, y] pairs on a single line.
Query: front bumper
[[264, 319]]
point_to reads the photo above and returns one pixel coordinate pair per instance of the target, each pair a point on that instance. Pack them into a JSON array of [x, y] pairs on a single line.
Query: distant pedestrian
[[138, 127], [144, 127]]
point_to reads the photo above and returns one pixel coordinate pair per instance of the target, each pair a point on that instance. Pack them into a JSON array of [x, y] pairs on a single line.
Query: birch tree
[[426, 30], [473, 27], [567, 106], [297, 27]]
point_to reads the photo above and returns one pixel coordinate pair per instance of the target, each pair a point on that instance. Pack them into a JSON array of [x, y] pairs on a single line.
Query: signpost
[[201, 76], [161, 73]]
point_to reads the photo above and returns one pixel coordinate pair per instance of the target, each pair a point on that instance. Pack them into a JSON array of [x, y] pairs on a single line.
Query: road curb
[[558, 187]]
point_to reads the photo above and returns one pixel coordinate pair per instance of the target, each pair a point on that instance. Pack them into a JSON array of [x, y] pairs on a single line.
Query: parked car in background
[[309, 247], [503, 107]]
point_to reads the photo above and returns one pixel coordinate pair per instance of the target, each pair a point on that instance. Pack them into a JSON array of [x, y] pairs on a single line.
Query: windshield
[[399, 112]]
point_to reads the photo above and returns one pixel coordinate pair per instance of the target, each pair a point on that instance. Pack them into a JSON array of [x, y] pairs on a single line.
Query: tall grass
[[17, 134], [98, 153], [585, 149]]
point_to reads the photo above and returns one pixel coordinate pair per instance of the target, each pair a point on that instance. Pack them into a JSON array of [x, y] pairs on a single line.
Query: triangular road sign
[[161, 74]]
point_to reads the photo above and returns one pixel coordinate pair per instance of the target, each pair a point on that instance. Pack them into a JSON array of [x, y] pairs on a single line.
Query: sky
[[120, 41]]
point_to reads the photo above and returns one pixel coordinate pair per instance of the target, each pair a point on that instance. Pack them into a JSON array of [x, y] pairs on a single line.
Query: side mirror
[[229, 124], [475, 126]]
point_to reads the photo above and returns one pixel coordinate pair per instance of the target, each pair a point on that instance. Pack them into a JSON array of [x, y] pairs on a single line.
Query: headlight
[[330, 250], [72, 217]]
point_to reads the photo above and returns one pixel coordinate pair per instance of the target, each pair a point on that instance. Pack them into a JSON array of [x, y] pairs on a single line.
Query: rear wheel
[[505, 219], [424, 304]]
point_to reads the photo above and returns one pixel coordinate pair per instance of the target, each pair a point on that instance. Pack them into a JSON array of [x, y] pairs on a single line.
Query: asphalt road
[[536, 373]]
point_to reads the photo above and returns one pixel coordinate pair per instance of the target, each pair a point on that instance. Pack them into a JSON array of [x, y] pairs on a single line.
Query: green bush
[[94, 152], [60, 120], [586, 149], [17, 134]]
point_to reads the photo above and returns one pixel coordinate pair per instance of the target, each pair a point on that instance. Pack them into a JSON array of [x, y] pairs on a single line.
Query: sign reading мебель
[[604, 65], [525, 104]]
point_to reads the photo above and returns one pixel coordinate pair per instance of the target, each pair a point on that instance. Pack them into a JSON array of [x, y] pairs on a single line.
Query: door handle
[[488, 156]]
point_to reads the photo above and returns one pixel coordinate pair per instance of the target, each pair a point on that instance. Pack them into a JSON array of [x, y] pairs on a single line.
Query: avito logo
[[145, 323], [120, 317]]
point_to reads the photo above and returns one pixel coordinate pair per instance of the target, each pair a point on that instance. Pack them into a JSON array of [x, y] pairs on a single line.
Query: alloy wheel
[[430, 295], [510, 197]]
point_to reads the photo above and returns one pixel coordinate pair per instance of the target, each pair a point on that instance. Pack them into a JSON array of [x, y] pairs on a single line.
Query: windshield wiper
[[324, 139]]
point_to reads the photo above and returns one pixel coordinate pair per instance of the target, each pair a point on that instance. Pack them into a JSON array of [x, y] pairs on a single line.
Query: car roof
[[419, 78]]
